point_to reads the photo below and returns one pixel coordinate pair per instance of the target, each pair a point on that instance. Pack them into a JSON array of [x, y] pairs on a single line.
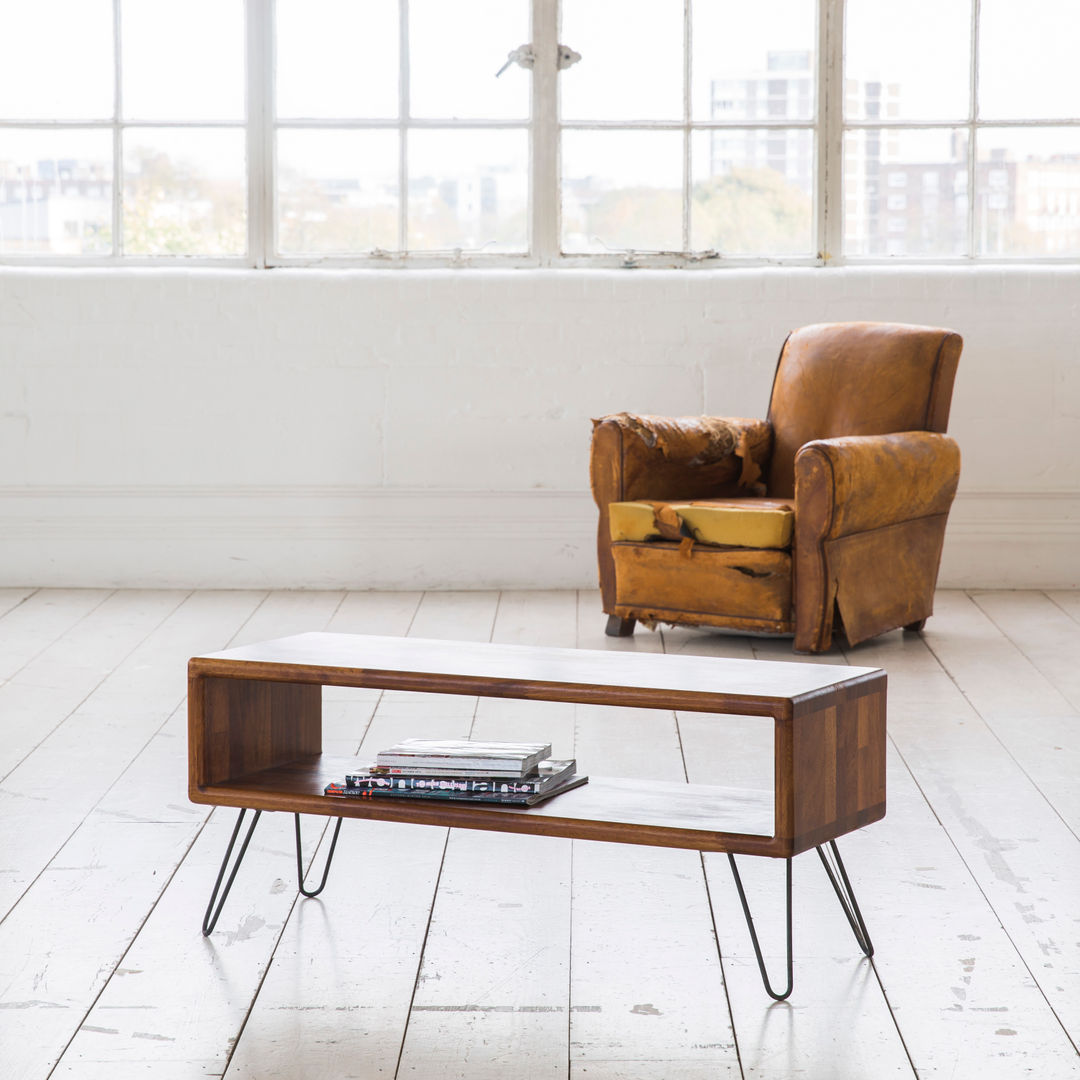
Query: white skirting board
[[383, 538]]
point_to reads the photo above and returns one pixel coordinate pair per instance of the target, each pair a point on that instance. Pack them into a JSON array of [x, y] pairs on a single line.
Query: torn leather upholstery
[[684, 457], [854, 441]]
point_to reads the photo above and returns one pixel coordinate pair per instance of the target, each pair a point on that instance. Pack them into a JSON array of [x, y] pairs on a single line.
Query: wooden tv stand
[[255, 742]]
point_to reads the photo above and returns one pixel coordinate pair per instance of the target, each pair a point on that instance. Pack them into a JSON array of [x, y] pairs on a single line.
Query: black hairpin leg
[[213, 913], [300, 864], [753, 933], [210, 922], [846, 896], [844, 893]]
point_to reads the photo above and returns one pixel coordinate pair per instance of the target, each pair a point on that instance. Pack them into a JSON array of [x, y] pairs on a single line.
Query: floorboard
[[837, 1012], [90, 900], [12, 598], [492, 989], [647, 987], [31, 625], [1043, 632], [466, 954], [183, 1002], [1021, 856]]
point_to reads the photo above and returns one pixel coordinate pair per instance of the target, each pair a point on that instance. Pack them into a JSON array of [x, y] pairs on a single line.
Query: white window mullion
[[117, 141], [973, 115], [544, 180], [688, 23], [260, 137], [404, 107], [829, 196]]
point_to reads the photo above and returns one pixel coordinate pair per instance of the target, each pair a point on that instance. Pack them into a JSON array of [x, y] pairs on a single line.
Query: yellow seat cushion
[[750, 523]]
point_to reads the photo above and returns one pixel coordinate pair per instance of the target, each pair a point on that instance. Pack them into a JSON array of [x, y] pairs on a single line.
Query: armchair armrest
[[862, 482], [870, 514], [662, 457]]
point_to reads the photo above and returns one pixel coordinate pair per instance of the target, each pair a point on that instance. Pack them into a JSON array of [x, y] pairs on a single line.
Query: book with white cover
[[465, 756]]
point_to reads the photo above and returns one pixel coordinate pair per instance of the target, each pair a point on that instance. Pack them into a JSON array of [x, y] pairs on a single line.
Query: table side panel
[[834, 780], [240, 726]]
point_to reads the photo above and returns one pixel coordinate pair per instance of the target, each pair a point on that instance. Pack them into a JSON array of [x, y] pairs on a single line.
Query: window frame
[[972, 126], [116, 125], [543, 125]]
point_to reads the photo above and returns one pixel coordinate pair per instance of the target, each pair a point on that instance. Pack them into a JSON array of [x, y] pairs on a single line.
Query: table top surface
[[360, 660]]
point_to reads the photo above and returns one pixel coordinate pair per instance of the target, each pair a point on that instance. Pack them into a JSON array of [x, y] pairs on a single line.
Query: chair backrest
[[858, 378]]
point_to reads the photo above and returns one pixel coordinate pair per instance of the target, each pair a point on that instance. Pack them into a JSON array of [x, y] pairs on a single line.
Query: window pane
[[754, 61], [1027, 191], [905, 192], [337, 58], [56, 59], [455, 50], [337, 191], [468, 190], [621, 190], [56, 192], [631, 64], [1028, 60], [907, 59], [184, 192], [753, 192], [183, 61]]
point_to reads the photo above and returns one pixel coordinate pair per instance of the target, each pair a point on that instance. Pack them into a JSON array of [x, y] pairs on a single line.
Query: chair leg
[[915, 627], [618, 627]]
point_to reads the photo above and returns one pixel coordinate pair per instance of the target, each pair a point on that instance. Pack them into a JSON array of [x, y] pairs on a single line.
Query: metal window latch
[[567, 57], [524, 57]]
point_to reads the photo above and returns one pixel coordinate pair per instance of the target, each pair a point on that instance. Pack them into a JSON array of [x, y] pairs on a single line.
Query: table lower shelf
[[649, 812]]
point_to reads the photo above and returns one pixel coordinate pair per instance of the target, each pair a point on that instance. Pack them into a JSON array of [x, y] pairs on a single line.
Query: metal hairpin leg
[[753, 933], [213, 913], [300, 864], [208, 922], [844, 893], [846, 896]]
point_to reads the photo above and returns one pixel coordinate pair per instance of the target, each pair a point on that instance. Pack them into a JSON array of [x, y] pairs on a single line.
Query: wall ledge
[[216, 536]]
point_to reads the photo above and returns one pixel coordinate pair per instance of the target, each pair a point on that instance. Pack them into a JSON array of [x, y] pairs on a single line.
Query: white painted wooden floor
[[477, 955]]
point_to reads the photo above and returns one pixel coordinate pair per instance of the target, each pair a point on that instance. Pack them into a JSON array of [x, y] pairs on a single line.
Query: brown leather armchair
[[836, 503]]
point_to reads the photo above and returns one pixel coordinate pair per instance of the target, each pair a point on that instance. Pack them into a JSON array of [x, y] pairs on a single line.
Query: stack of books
[[513, 774]]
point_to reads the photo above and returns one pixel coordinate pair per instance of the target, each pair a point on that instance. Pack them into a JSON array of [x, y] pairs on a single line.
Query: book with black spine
[[548, 774], [339, 790], [465, 756]]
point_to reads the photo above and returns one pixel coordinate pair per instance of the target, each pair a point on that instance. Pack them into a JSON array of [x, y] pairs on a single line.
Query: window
[[105, 123], [983, 96], [294, 132], [707, 147], [392, 133]]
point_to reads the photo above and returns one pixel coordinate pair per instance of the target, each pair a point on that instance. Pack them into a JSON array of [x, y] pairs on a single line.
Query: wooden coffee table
[[255, 742]]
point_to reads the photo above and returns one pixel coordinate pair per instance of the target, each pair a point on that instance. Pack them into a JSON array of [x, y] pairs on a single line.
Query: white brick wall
[[379, 429]]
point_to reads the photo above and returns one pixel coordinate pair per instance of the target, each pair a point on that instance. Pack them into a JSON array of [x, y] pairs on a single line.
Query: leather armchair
[[853, 446]]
